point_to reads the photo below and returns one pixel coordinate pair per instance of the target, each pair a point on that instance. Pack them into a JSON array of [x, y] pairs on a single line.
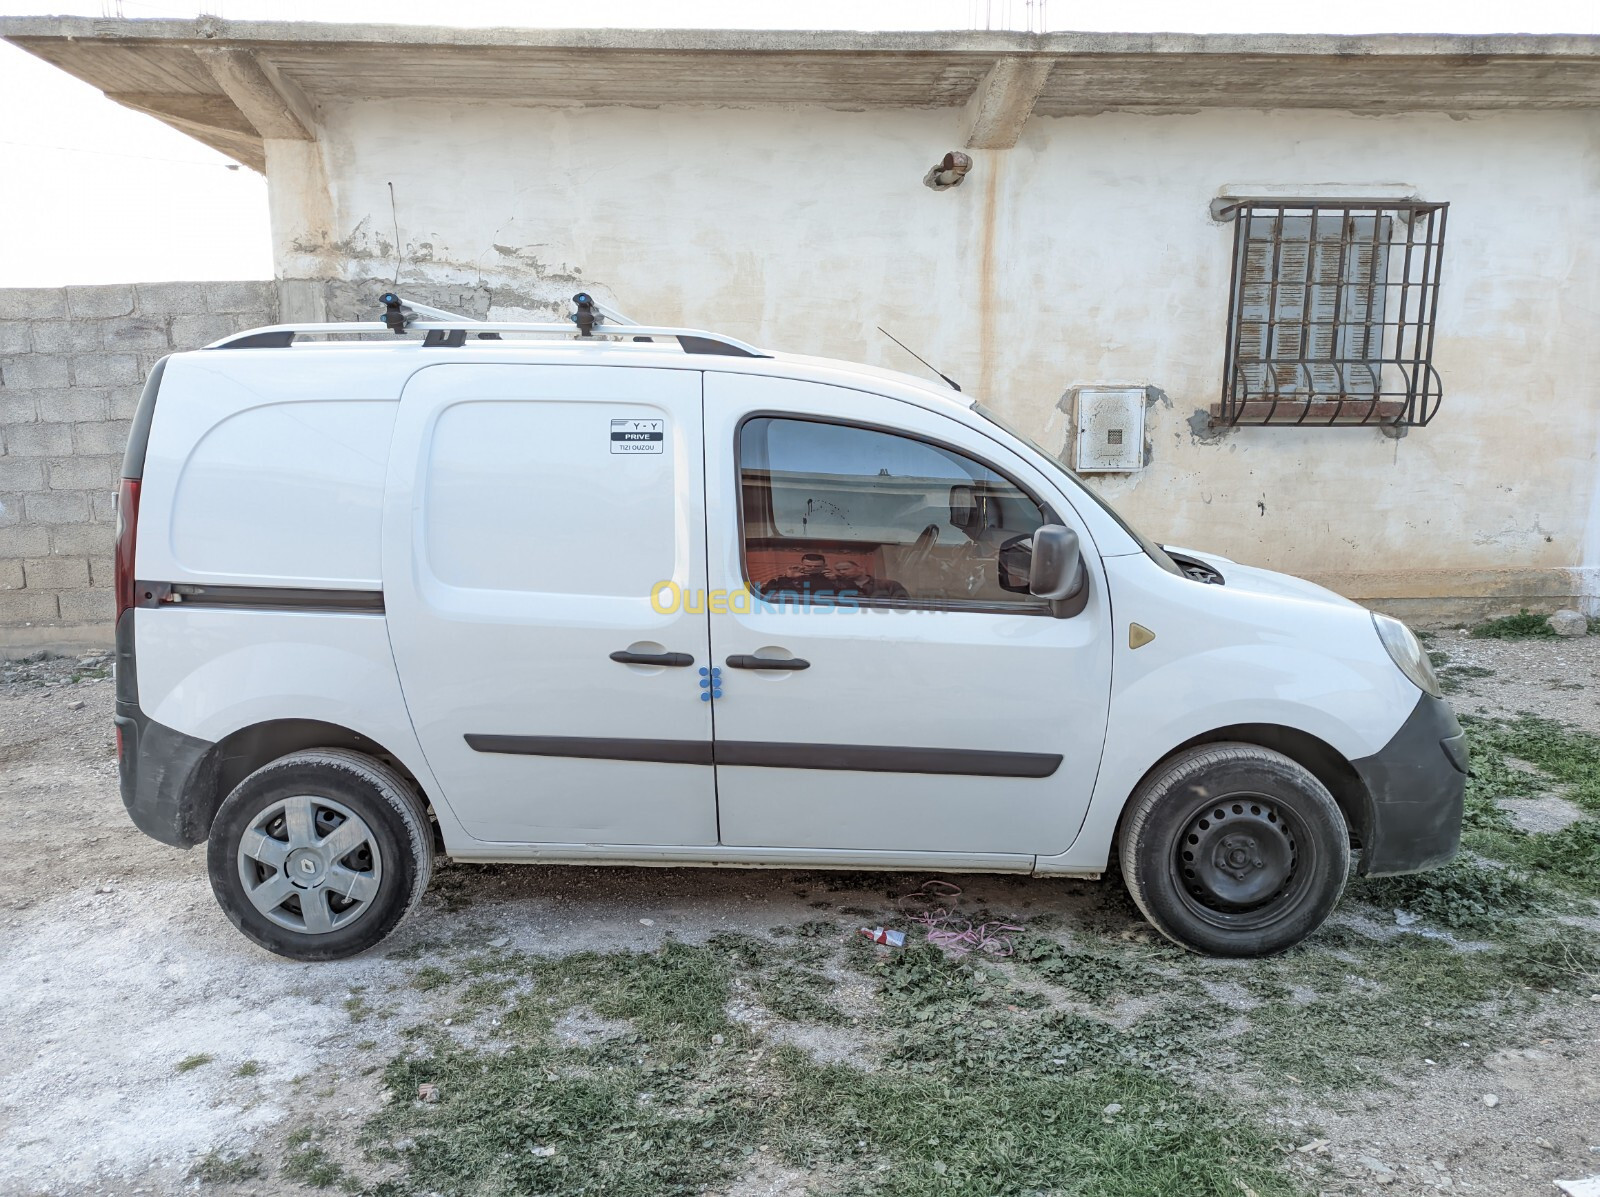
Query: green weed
[[1464, 895], [308, 1163], [430, 977], [190, 1063], [1521, 626], [248, 1068], [1563, 759], [220, 1168], [1568, 859]]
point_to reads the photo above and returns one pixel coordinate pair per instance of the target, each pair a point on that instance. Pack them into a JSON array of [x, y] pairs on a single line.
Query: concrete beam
[[212, 120], [300, 34], [998, 110], [271, 103]]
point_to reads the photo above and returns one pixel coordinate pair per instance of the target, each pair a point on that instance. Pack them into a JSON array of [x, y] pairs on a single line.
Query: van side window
[[857, 516]]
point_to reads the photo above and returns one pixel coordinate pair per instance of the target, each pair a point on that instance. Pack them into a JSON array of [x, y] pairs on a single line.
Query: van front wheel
[[318, 855], [1234, 850]]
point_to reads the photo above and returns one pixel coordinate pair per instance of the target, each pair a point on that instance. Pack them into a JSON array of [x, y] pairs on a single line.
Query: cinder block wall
[[72, 363]]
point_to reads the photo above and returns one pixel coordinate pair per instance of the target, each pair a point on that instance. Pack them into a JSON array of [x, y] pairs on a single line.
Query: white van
[[651, 596]]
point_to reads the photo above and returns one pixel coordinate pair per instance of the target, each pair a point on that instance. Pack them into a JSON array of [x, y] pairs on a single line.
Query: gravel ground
[[116, 969], [1558, 679]]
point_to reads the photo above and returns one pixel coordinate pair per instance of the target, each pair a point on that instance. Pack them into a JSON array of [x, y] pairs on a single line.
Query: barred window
[[1332, 310]]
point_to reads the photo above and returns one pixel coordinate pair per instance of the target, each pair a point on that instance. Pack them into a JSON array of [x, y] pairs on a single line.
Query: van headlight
[[1407, 652]]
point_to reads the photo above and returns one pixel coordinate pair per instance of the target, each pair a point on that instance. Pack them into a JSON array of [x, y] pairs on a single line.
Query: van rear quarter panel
[[260, 472], [211, 671], [267, 468]]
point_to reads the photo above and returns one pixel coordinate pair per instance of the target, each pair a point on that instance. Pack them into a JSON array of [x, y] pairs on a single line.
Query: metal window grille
[[1332, 313]]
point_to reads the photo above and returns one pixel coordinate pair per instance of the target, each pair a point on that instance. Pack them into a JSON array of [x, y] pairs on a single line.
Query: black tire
[[390, 867], [1234, 850]]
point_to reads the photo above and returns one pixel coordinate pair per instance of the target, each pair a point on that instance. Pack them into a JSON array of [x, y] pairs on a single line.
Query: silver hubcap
[[310, 865]]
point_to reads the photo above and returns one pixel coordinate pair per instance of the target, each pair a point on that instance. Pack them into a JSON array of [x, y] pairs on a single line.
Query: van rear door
[[531, 511]]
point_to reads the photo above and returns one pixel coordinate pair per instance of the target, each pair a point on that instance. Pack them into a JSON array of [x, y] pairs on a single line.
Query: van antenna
[[954, 385], [395, 213]]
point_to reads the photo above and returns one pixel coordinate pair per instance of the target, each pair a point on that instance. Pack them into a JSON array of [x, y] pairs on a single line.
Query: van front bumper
[[1417, 785]]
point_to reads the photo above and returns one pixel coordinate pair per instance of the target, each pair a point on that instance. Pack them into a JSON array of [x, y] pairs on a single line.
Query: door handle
[[745, 661], [677, 660]]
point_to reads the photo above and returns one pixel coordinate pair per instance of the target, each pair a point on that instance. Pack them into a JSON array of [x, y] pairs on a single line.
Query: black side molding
[[598, 748], [859, 758], [873, 758], [258, 598]]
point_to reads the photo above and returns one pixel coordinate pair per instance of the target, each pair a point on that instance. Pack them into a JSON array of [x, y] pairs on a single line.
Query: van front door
[[531, 511], [887, 683]]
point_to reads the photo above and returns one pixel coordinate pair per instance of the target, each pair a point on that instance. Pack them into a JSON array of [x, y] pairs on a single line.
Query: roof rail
[[444, 329], [693, 340]]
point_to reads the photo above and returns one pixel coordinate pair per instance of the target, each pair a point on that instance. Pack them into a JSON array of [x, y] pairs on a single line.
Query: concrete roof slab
[[309, 64]]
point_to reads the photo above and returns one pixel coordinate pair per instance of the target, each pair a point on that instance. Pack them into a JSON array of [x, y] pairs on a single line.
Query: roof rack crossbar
[[692, 340]]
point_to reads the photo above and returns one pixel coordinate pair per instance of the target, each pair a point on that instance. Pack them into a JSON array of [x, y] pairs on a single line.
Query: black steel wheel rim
[[1243, 861]]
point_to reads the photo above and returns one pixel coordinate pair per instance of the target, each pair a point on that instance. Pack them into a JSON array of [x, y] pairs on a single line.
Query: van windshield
[[1151, 549]]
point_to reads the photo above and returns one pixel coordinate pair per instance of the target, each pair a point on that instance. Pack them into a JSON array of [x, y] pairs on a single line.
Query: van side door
[[888, 684], [530, 512]]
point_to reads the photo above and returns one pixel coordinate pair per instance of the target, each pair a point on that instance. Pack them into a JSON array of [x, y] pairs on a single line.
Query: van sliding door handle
[[745, 661], [678, 660]]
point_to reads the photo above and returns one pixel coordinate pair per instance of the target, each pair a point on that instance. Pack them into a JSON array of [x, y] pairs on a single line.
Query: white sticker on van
[[638, 436]]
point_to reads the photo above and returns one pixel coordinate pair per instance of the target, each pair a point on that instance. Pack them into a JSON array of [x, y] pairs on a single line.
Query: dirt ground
[[118, 972]]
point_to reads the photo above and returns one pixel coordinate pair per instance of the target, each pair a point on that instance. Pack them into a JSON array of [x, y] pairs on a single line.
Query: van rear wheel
[[1234, 850], [318, 855]]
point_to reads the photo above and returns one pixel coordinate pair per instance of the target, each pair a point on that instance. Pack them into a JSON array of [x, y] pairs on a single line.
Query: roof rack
[[448, 330]]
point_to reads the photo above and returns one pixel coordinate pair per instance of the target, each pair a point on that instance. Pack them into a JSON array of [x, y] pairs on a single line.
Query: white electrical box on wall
[[1110, 429]]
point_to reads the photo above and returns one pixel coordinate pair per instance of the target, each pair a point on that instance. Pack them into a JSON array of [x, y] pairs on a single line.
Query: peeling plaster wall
[[1085, 255]]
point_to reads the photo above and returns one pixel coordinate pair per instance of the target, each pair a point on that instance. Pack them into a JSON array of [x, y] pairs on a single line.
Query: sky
[[91, 192]]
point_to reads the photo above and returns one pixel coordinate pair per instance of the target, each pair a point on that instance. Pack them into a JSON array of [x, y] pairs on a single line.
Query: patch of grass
[[1464, 895], [1092, 975], [430, 977], [1453, 677], [992, 1135], [190, 1063], [1563, 754], [977, 1093], [1521, 626], [248, 1068], [1346, 1017], [307, 1162], [1561, 959], [1569, 858], [982, 1075], [220, 1168], [482, 994], [797, 994], [1562, 758]]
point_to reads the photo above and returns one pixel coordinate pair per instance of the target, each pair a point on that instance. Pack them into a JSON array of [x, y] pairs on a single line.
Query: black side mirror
[[1056, 571]]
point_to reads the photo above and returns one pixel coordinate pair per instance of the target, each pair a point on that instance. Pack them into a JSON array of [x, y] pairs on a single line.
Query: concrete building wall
[[1087, 254], [72, 363]]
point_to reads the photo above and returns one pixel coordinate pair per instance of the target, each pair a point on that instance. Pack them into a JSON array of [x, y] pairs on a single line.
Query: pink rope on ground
[[931, 906]]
